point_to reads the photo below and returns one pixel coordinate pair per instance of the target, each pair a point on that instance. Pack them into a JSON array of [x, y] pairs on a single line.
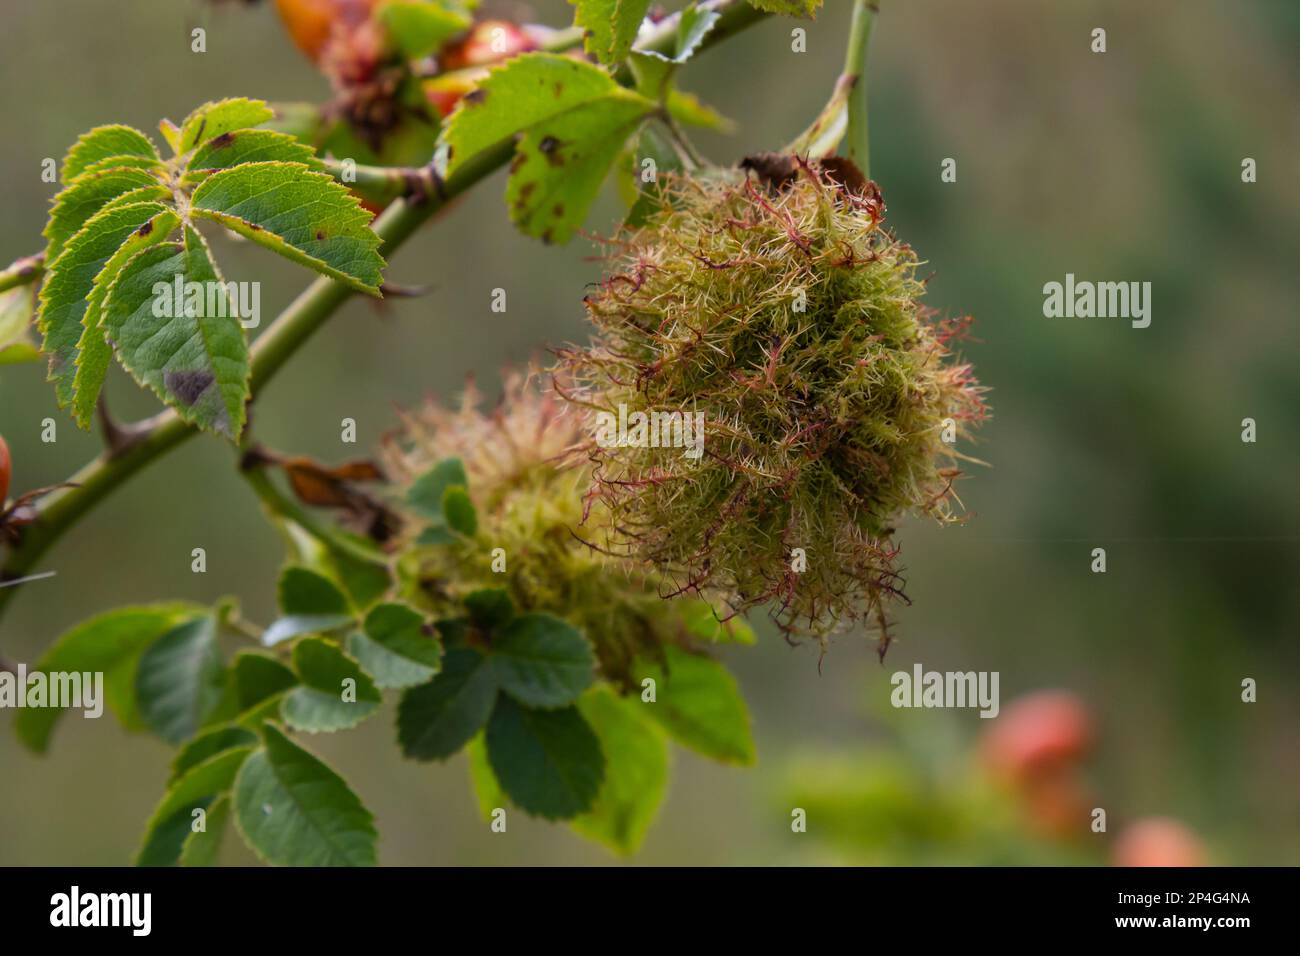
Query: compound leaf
[[336, 694], [572, 120], [419, 28], [80, 200], [193, 355], [103, 142], [247, 146], [394, 648], [202, 846], [698, 703], [71, 279], [436, 719], [213, 120], [549, 762], [609, 26], [180, 679], [170, 824], [111, 644], [542, 661], [636, 771], [293, 810], [93, 350], [301, 214]]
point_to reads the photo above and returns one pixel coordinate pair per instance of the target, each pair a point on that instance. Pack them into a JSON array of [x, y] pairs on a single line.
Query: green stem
[[282, 506], [61, 510], [855, 73], [23, 272]]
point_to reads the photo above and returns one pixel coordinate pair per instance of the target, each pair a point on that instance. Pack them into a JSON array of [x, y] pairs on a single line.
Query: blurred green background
[[1122, 166]]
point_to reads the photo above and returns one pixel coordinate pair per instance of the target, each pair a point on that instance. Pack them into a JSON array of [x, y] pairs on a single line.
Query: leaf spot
[[187, 385]]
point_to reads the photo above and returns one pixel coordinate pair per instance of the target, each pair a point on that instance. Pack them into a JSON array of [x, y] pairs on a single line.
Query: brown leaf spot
[[222, 141], [474, 97], [319, 235], [550, 148], [145, 229], [188, 385]]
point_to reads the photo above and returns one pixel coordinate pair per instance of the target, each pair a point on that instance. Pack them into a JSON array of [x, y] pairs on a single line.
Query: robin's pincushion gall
[[773, 302], [526, 485]]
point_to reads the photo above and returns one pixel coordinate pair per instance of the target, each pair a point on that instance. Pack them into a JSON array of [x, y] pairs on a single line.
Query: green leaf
[[701, 621], [419, 28], [293, 810], [336, 694], [636, 771], [302, 590], [489, 608], [202, 846], [542, 661], [574, 119], [459, 511], [71, 279], [549, 762], [265, 710], [207, 745], [146, 163], [688, 109], [698, 703], [194, 355], [791, 8], [425, 496], [436, 719], [609, 26], [487, 791], [295, 625], [164, 838], [85, 197], [257, 677], [180, 679], [247, 146], [110, 643], [312, 603], [93, 350], [394, 647], [212, 120], [654, 70], [301, 214], [101, 143], [17, 307]]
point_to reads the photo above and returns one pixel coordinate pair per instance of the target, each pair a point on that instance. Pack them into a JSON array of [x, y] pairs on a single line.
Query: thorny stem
[[158, 435], [855, 72]]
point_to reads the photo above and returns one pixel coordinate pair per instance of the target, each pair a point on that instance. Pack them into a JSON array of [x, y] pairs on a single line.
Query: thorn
[[118, 438], [392, 290], [258, 456]]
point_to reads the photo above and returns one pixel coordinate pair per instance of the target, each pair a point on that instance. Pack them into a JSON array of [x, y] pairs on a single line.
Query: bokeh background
[[1122, 166]]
